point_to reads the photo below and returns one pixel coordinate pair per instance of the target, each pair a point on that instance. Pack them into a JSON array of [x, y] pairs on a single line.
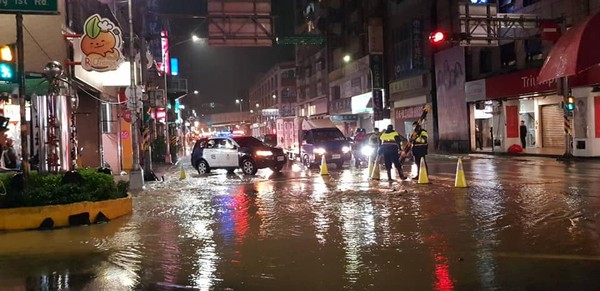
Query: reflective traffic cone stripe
[[375, 173], [423, 178], [182, 174], [460, 181], [324, 170]]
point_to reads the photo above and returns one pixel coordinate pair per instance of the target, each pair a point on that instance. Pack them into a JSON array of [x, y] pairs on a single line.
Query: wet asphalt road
[[523, 224]]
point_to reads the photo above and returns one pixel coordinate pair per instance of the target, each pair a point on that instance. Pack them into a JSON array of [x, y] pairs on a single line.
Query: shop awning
[[575, 51], [39, 86]]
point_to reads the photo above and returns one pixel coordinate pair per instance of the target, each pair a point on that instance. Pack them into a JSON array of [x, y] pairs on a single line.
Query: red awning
[[576, 51]]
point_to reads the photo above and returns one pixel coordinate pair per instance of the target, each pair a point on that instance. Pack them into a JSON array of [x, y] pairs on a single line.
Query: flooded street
[[530, 223]]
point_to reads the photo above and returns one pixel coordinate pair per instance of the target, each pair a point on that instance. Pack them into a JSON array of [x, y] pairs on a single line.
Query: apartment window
[[485, 60], [535, 52], [508, 55], [335, 92], [529, 2]]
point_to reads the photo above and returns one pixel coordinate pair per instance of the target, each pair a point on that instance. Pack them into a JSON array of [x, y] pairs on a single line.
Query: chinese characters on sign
[[417, 44], [342, 105]]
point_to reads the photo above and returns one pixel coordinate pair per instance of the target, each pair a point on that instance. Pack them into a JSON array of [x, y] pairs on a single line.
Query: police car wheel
[[203, 168], [249, 167]]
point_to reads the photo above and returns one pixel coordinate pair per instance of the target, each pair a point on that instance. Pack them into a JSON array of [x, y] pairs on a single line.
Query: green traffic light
[[7, 72], [570, 106]]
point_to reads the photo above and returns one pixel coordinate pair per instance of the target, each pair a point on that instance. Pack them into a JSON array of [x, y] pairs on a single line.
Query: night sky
[[220, 74]]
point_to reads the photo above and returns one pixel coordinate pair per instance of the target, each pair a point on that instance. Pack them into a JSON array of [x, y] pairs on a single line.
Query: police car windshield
[[328, 135], [248, 141]]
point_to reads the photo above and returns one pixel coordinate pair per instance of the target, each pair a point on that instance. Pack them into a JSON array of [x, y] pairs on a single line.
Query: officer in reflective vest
[[419, 148], [390, 145]]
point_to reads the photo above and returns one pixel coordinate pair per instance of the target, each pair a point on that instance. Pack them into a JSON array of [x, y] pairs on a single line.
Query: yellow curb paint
[[23, 218]]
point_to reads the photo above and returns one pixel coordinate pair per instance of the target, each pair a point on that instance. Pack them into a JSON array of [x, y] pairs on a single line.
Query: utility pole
[[568, 117], [148, 171], [22, 94], [136, 177]]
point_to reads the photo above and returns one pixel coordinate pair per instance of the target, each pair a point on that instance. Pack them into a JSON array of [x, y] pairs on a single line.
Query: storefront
[[513, 108], [342, 117], [408, 96]]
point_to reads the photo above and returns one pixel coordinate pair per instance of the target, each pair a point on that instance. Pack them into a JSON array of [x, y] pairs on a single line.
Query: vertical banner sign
[[376, 62], [101, 45], [512, 121], [417, 44], [378, 104], [452, 115]]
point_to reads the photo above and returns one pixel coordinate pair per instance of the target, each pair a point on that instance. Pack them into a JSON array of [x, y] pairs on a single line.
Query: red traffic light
[[437, 37]]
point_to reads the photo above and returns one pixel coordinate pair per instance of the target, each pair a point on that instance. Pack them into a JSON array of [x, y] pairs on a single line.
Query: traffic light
[[8, 72], [570, 104], [437, 37], [3, 124]]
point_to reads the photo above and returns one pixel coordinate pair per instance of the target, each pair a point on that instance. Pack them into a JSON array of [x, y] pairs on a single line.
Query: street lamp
[[196, 92], [347, 58], [239, 101]]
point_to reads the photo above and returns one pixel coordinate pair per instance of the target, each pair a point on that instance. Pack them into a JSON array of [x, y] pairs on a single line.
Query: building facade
[[502, 91], [273, 95]]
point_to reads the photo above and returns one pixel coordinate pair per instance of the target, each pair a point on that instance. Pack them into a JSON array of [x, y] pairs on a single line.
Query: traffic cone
[[376, 172], [324, 170], [182, 173], [423, 178], [460, 181]]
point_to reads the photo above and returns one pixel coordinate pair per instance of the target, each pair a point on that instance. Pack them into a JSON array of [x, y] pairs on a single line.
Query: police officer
[[390, 144], [419, 148]]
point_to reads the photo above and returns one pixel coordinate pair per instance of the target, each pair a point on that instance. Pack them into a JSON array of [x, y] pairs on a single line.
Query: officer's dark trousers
[[390, 156]]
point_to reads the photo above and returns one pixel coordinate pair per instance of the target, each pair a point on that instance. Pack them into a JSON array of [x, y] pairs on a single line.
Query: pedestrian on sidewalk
[[523, 132], [390, 146], [419, 148], [9, 155]]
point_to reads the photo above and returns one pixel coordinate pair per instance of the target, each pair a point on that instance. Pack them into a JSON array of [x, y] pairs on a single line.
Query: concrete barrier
[[53, 216]]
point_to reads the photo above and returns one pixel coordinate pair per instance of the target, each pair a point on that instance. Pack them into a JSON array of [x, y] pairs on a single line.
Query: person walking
[[523, 134], [419, 147], [9, 155], [390, 145]]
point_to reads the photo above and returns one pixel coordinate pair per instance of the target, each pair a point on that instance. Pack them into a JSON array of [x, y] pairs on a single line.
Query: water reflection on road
[[520, 225]]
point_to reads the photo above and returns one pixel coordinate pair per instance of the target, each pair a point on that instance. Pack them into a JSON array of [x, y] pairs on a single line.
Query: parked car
[[230, 153]]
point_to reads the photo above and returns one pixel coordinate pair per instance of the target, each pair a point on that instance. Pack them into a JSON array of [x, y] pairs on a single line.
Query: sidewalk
[[161, 170]]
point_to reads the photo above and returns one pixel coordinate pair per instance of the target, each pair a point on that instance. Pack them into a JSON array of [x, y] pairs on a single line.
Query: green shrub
[[49, 189]]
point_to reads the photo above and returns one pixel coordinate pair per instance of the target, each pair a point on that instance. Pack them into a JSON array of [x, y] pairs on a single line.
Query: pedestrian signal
[[570, 104], [7, 64]]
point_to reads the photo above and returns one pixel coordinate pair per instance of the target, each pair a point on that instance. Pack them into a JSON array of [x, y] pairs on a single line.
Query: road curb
[[54, 216]]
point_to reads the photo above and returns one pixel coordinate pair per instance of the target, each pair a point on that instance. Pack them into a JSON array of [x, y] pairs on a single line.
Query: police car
[[230, 153]]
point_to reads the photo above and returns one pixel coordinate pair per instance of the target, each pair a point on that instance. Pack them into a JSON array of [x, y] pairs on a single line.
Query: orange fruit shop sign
[[101, 45]]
